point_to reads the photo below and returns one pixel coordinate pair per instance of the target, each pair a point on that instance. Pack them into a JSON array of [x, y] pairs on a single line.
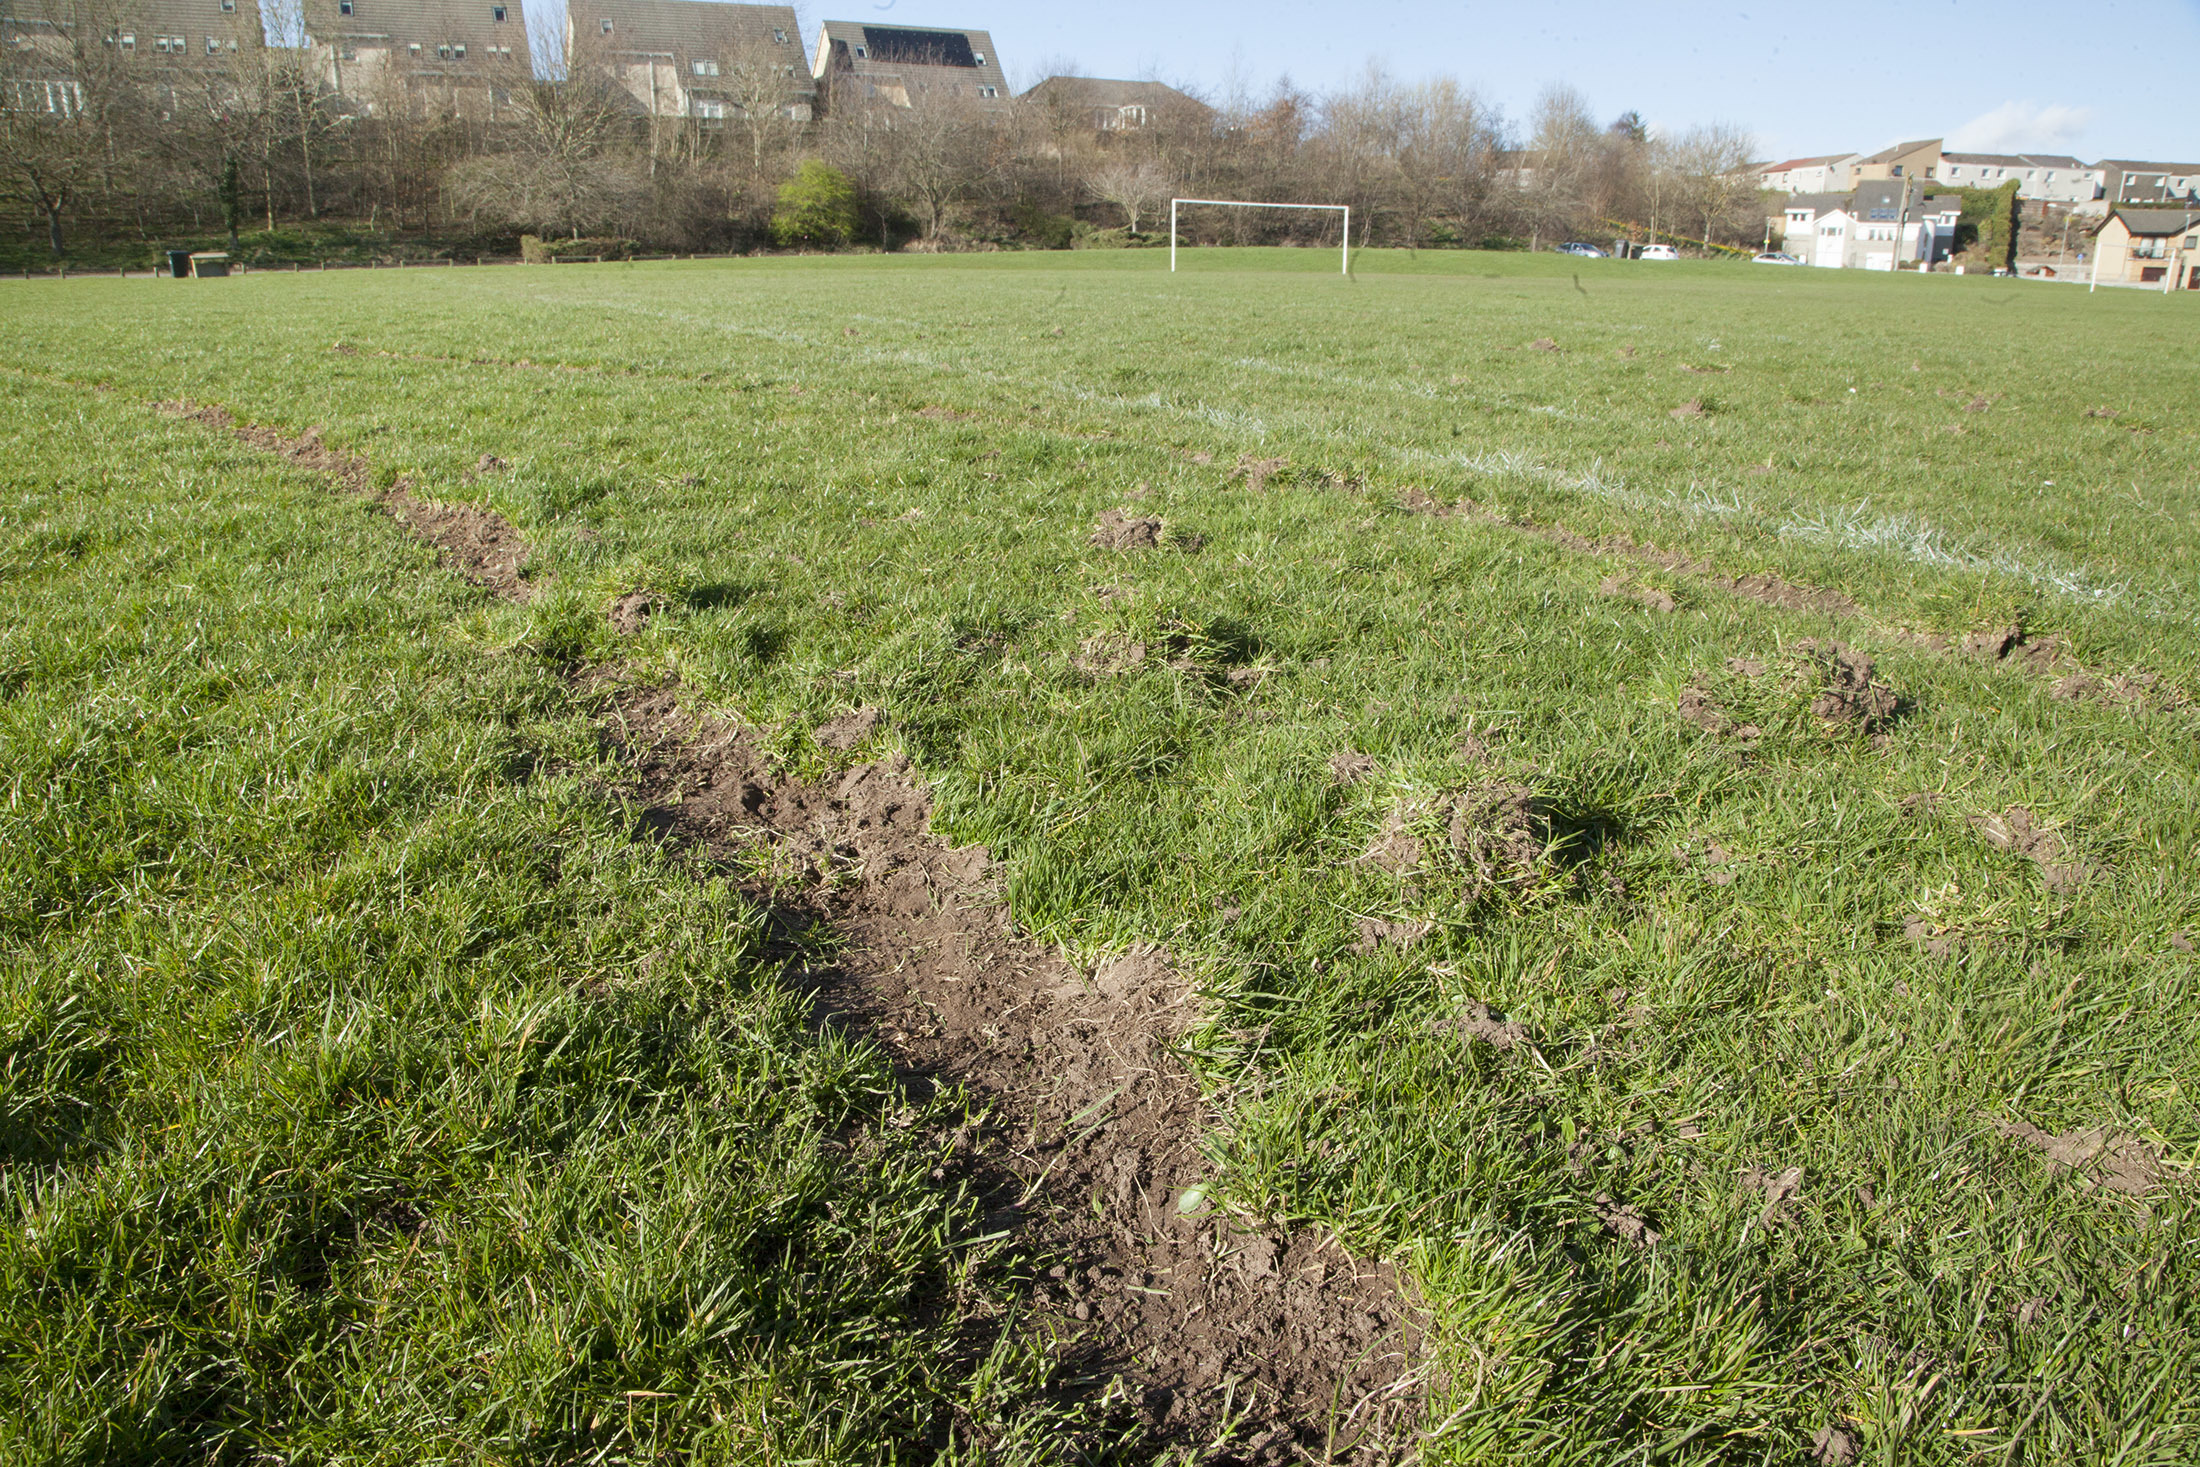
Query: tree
[[564, 170], [1710, 162], [1131, 184], [816, 207], [1559, 153]]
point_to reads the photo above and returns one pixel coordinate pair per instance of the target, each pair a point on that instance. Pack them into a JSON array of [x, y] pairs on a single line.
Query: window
[[980, 55], [707, 107], [2192, 241], [861, 52], [229, 7], [606, 26], [497, 14], [347, 53], [343, 7], [213, 46], [989, 91], [704, 68], [2130, 179], [442, 53], [129, 41], [779, 35]]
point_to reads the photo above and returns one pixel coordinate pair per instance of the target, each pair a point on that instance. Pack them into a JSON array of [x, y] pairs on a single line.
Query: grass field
[[371, 1094]]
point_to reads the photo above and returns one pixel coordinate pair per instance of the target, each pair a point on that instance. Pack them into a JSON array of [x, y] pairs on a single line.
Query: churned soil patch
[[2099, 1156], [2018, 831], [630, 613], [1088, 1155], [1119, 529], [479, 543], [1848, 695]]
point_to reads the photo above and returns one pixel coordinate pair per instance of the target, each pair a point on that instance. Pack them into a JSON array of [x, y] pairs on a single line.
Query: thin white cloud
[[2020, 126]]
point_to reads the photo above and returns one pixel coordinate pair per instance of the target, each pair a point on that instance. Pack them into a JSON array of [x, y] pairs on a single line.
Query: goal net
[[1344, 248]]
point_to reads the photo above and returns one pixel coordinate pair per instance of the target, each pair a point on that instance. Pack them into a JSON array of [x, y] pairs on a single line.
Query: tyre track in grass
[[1190, 1327]]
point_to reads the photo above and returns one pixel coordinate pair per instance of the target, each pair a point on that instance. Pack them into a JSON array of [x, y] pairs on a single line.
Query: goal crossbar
[[1344, 257]]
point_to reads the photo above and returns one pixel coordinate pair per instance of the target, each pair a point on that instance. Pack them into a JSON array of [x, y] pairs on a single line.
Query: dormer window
[[606, 26], [129, 41], [980, 55], [779, 35], [861, 52], [229, 7], [497, 14], [704, 68], [414, 48], [343, 7], [442, 53], [459, 52]]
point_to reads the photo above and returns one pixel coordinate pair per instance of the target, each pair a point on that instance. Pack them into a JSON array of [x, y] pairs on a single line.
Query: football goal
[[1344, 257]]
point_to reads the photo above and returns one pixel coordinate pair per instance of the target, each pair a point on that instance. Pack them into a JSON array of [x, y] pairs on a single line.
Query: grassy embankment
[[356, 1058]]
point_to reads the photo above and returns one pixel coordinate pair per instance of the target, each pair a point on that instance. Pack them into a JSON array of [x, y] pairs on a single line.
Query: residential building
[[1825, 174], [449, 56], [1113, 106], [906, 65], [1876, 227], [695, 58], [2047, 178], [164, 43], [2155, 247], [2126, 181], [1904, 160]]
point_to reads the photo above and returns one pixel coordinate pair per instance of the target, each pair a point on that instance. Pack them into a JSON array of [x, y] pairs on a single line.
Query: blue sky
[[2096, 78]]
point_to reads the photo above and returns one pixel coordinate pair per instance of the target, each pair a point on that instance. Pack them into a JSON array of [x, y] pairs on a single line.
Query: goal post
[[1344, 258]]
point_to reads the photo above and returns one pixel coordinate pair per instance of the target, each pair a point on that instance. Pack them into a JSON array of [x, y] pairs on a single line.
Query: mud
[[1499, 832], [1849, 696], [1089, 1156], [1118, 529], [1478, 1022], [2019, 832], [1256, 472], [844, 732], [1378, 932], [2099, 1157], [1350, 767], [630, 614], [480, 544]]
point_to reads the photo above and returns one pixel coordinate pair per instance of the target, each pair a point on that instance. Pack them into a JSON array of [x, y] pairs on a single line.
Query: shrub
[[817, 208], [532, 251]]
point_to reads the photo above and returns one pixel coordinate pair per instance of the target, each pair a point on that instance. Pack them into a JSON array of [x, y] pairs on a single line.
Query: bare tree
[[1558, 156], [1709, 161], [565, 169], [1445, 149], [1133, 185]]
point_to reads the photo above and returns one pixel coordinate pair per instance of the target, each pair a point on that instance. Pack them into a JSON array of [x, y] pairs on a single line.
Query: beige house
[[169, 44], [2156, 247], [907, 65], [695, 58], [1904, 160], [457, 57]]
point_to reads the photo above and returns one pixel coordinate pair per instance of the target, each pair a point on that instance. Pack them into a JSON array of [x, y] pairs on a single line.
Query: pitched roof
[[1819, 162], [688, 30], [1888, 154], [1818, 203], [1093, 91], [2017, 160], [911, 58], [2153, 222], [2132, 165], [428, 24]]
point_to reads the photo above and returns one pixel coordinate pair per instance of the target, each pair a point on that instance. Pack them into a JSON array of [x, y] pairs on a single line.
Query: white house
[[1884, 223], [1825, 174], [2049, 178]]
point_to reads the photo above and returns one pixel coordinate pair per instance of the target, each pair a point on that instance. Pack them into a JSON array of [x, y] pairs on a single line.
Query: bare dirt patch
[[1119, 529], [849, 729], [1350, 766], [1500, 832], [1256, 472], [1543, 343], [480, 544], [2100, 1157], [629, 614], [1693, 408], [1478, 1022], [2019, 832], [1089, 1154], [1849, 696], [1382, 932]]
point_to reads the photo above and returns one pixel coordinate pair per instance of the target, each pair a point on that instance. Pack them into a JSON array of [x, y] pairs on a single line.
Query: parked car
[[1585, 251], [1776, 257], [1658, 252]]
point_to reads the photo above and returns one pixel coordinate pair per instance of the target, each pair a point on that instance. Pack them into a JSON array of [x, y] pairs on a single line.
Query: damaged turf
[[1162, 1306]]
